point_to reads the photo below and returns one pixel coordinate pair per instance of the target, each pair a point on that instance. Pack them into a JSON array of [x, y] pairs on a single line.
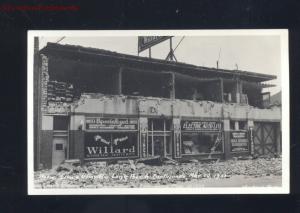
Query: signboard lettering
[[201, 126], [145, 42], [239, 141], [111, 124], [110, 145]]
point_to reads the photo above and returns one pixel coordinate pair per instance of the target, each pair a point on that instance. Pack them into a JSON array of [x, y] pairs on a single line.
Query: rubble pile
[[130, 174]]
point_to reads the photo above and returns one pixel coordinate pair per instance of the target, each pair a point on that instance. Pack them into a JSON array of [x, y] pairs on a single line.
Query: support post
[[119, 81], [172, 89], [222, 90]]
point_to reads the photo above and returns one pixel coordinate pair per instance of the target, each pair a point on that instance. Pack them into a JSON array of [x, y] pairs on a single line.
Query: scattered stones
[[138, 174]]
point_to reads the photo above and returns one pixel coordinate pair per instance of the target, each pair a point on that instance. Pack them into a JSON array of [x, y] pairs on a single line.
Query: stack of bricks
[[44, 83], [60, 95]]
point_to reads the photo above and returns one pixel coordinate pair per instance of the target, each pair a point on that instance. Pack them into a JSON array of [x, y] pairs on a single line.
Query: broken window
[[202, 143]]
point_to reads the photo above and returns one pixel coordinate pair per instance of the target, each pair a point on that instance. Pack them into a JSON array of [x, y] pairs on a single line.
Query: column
[[250, 126], [176, 138], [118, 81], [227, 145], [143, 143], [172, 86]]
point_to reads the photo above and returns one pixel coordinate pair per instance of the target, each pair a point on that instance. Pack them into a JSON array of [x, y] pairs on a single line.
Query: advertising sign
[[97, 123], [201, 126], [239, 141], [146, 42], [110, 145]]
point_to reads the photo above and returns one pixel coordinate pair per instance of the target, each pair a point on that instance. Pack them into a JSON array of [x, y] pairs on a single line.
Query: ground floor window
[[202, 142]]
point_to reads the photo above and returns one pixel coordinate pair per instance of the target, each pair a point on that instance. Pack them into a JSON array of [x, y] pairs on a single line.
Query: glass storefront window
[[159, 140], [202, 143]]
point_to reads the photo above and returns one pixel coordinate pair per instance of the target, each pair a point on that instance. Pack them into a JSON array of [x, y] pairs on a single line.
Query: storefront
[[201, 138]]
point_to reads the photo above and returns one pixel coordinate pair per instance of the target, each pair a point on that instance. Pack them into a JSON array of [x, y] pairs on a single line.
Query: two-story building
[[93, 104]]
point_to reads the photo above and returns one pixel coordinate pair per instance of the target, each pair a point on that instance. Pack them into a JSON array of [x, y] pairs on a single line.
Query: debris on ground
[[129, 173]]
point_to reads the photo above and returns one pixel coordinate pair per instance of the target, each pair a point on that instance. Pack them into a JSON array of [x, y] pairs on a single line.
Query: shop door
[[264, 139], [158, 143], [59, 150]]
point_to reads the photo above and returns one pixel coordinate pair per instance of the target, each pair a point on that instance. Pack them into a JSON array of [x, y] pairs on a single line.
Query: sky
[[255, 53]]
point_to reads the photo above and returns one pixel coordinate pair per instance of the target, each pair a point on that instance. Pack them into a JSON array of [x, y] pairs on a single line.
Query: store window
[[159, 137], [232, 125], [159, 124], [242, 125], [238, 125], [202, 143]]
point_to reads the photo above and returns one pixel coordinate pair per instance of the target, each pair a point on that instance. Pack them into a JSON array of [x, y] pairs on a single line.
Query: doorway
[[59, 150]]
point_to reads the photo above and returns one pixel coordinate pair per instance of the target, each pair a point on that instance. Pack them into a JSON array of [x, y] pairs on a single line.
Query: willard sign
[[146, 42], [110, 145]]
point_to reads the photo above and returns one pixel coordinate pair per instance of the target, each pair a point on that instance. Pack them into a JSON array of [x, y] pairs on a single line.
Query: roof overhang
[[109, 58]]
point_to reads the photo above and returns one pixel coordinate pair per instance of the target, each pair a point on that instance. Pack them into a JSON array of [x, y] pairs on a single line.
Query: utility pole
[[171, 50]]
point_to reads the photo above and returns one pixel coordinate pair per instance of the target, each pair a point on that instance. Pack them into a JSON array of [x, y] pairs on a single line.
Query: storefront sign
[[97, 123], [239, 141], [110, 145], [201, 126], [146, 42]]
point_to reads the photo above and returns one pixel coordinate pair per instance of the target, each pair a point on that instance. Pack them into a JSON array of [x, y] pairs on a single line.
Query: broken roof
[[80, 53]]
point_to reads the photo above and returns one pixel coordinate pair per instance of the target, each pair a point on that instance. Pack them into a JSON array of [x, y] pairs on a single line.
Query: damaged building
[[94, 104]]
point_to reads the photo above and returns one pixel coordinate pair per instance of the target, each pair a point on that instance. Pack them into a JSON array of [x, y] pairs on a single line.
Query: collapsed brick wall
[[44, 82]]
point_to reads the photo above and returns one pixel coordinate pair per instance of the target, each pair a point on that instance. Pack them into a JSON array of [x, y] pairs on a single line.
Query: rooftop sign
[[146, 42]]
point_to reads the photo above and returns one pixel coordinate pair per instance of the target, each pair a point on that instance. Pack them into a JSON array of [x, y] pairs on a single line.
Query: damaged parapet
[[145, 106]]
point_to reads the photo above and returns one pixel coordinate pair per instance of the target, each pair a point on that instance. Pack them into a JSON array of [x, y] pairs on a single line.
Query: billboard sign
[[145, 42]]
